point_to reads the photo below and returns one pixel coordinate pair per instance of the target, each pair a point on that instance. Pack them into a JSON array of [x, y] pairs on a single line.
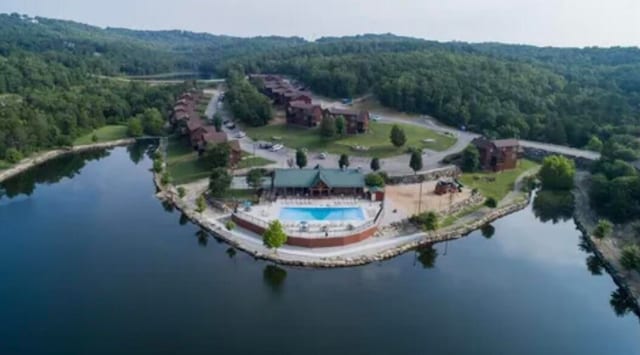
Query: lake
[[92, 263]]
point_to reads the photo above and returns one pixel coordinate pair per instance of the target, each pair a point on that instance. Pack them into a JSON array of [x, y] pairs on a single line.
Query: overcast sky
[[539, 22]]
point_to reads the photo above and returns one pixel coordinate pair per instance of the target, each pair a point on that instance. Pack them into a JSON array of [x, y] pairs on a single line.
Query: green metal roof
[[310, 177]]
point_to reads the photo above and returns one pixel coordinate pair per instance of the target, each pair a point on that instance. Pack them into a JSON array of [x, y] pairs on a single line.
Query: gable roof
[[299, 104], [194, 123], [210, 135], [506, 143], [342, 111], [309, 177]]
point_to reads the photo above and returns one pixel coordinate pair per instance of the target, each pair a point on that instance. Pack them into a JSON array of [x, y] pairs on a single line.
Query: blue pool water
[[321, 214]]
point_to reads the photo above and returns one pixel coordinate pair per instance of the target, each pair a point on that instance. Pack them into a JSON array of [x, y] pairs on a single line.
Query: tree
[[374, 180], [340, 125], [94, 138], [557, 173], [274, 237], [344, 161], [630, 257], [219, 182], [217, 122], [375, 164], [301, 158], [603, 229], [397, 136], [134, 127], [430, 221], [594, 144], [152, 122], [217, 156], [254, 178], [13, 155], [181, 191], [327, 127], [416, 161], [201, 204], [470, 159]]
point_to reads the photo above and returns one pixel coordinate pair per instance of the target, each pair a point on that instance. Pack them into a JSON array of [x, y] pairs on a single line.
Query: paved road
[[398, 165]]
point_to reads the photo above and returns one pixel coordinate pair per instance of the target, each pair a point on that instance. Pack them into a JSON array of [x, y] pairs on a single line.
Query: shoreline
[[398, 244], [28, 163], [585, 221]]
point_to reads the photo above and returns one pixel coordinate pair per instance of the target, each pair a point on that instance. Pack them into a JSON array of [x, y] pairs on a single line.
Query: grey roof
[[309, 177], [504, 143]]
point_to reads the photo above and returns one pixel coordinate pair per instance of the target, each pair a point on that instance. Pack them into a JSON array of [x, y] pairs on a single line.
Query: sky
[[575, 23]]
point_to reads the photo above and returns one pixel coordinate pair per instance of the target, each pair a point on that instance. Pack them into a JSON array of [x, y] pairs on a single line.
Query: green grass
[[183, 164], [377, 139], [240, 195], [251, 161], [496, 185], [105, 134]]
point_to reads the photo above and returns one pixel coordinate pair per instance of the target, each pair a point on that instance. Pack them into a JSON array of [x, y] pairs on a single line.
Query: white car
[[277, 147], [322, 155], [241, 134]]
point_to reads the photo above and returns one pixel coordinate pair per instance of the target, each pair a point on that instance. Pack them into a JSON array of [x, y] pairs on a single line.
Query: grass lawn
[[183, 164], [105, 134], [377, 139], [240, 195], [250, 161], [496, 185]]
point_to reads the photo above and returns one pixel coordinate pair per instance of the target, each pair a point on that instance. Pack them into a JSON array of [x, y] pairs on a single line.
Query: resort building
[[206, 136], [497, 155], [356, 121], [304, 114], [317, 183]]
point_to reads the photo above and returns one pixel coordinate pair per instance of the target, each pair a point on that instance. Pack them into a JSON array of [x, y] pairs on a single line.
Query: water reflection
[[621, 302], [488, 231], [231, 252], [203, 237], [274, 277], [50, 172], [594, 264], [553, 206], [183, 219], [426, 255]]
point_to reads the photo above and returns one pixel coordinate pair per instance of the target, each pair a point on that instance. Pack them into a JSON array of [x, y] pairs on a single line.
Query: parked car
[[231, 125], [241, 134], [376, 118], [265, 145], [276, 147], [322, 155]]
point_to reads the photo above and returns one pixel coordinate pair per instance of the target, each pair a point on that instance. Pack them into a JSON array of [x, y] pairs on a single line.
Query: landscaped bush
[[230, 225], [374, 180], [181, 191], [13, 155], [491, 202], [427, 220]]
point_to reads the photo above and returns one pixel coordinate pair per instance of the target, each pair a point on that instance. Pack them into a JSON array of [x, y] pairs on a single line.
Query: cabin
[[291, 96], [497, 155], [317, 182], [206, 136], [305, 114], [356, 121]]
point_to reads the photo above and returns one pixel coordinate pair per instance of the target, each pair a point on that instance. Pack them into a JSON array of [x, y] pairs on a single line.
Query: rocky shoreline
[[586, 221], [170, 195], [29, 163]]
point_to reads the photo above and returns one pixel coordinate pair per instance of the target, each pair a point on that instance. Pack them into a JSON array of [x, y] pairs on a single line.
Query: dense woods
[[564, 96], [246, 102], [45, 104]]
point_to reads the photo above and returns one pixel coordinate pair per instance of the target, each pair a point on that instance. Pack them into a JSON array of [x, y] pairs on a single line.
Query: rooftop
[[309, 177]]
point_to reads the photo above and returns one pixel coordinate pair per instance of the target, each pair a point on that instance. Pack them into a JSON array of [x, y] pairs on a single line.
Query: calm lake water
[[92, 263]]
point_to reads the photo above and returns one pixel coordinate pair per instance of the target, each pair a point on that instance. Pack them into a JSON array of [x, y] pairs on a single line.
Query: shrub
[[491, 202], [230, 225], [201, 204], [181, 191], [165, 179], [603, 229], [374, 179], [630, 257], [13, 155], [426, 220], [157, 165], [94, 138]]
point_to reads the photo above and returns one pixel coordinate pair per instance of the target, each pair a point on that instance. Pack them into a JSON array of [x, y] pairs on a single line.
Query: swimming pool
[[321, 214]]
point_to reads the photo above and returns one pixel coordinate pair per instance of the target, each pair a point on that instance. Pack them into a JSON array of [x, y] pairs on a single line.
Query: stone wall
[[429, 175]]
